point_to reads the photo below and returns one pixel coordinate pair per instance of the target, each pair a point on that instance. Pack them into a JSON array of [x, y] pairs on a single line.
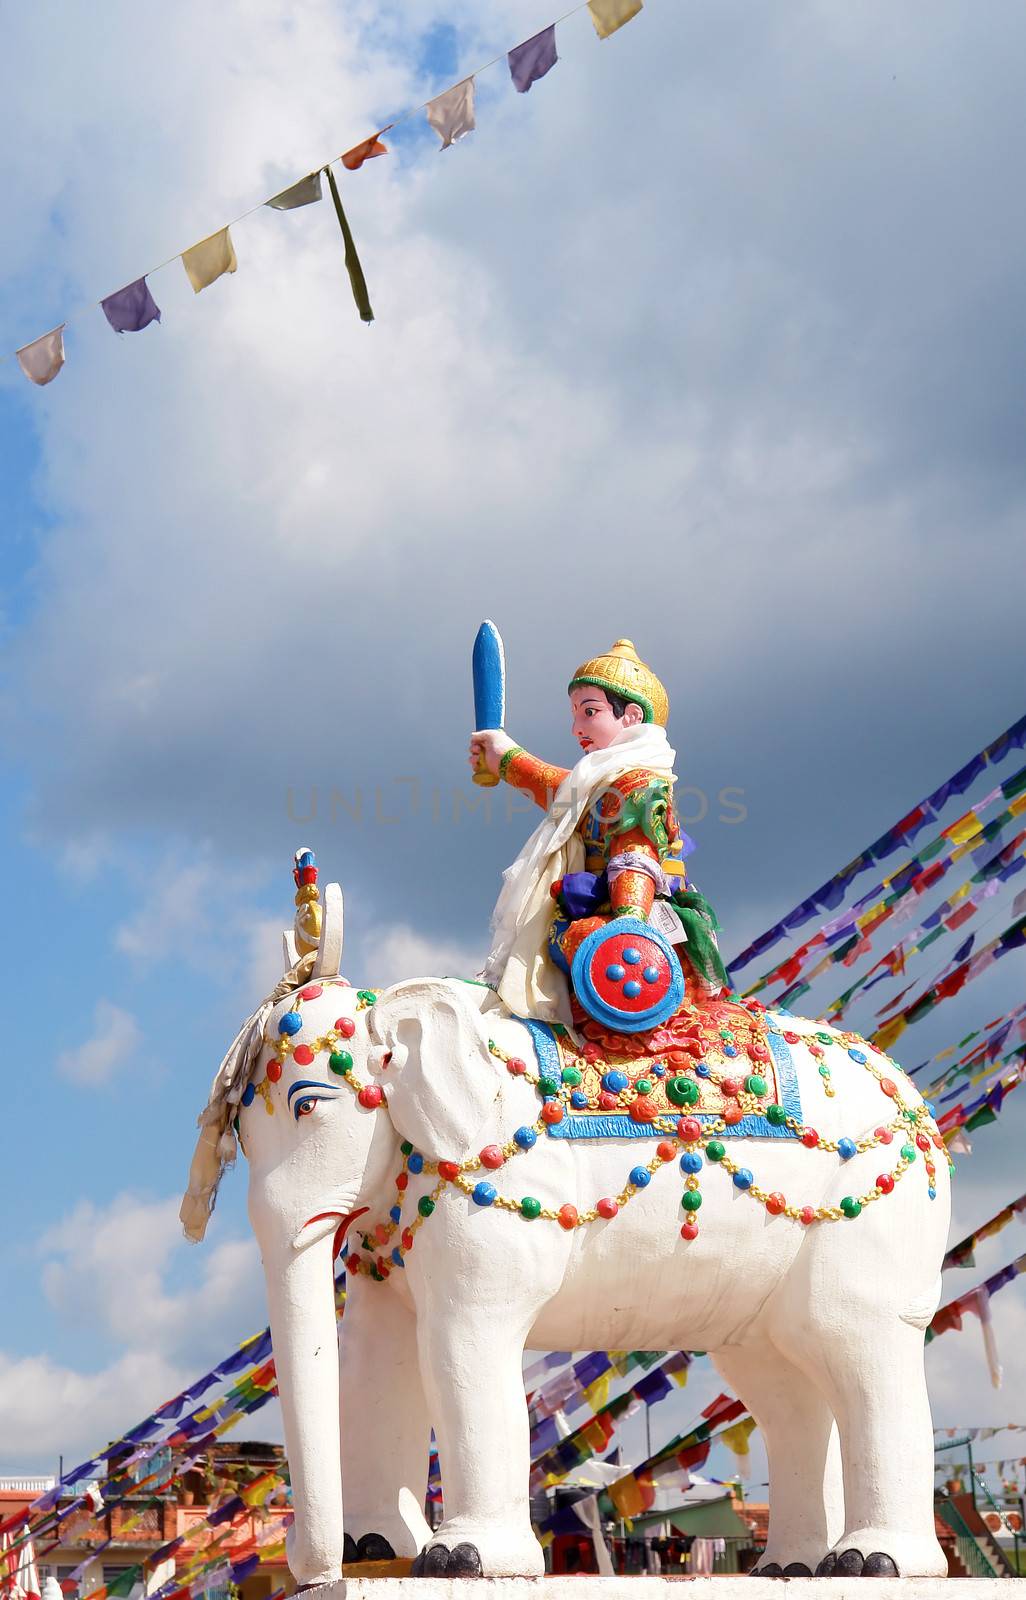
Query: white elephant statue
[[414, 1118]]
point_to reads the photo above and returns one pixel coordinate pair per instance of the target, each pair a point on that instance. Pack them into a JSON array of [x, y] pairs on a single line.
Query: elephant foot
[[772, 1569], [853, 1564], [797, 1569], [438, 1561], [369, 1547]]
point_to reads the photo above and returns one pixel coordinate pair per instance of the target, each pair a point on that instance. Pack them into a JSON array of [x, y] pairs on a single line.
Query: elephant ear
[[442, 1080]]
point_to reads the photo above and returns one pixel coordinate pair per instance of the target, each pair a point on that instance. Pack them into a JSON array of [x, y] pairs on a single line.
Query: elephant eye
[[303, 1108]]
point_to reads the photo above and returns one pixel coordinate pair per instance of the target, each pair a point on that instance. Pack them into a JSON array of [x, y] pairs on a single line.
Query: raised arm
[[508, 760]]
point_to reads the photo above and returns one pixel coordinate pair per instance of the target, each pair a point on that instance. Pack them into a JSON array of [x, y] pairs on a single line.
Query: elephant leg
[[806, 1496], [872, 1374], [472, 1364], [386, 1431]]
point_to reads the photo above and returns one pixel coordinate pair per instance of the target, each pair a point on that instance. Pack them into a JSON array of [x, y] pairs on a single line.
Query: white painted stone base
[[721, 1588]]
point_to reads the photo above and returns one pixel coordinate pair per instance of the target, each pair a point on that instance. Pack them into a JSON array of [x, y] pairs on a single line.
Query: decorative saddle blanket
[[717, 1061]]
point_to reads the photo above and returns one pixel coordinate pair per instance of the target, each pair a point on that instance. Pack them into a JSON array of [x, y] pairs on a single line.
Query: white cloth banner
[[43, 358], [608, 15], [209, 260], [303, 193], [452, 113], [588, 1512]]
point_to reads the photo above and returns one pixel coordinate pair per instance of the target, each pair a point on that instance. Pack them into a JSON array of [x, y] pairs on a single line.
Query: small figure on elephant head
[[609, 855]]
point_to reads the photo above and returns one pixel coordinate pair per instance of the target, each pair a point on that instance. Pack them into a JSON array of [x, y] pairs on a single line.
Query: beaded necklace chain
[[694, 1142]]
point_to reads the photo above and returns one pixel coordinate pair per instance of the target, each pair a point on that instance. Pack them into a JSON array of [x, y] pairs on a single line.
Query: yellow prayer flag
[[595, 1435], [210, 259], [627, 1497], [608, 15], [891, 1031], [737, 1438], [597, 1393], [1018, 805], [965, 828]]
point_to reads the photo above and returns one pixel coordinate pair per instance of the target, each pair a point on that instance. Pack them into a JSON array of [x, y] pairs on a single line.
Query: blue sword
[[489, 669]]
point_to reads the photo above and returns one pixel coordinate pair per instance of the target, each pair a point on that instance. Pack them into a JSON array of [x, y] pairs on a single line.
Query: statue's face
[[595, 725]]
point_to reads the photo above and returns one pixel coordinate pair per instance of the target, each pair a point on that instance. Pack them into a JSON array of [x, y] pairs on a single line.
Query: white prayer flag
[[43, 358], [452, 113], [608, 15], [303, 193], [208, 260]]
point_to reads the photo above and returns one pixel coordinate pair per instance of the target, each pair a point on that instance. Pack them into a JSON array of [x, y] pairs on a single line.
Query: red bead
[[313, 991], [345, 1026], [308, 874], [448, 1170], [938, 1142], [552, 1111], [381, 1233], [776, 1204], [758, 1052], [889, 1087], [885, 1135], [795, 1038], [810, 1138], [689, 1230], [922, 1141], [807, 1215], [567, 1217], [666, 1150], [885, 1182], [689, 1129], [302, 1055], [407, 1239], [643, 1109], [608, 1101], [815, 1049], [607, 1208], [370, 1096], [492, 1157], [274, 1070], [517, 1065], [729, 1087], [402, 1181], [352, 1263], [732, 1114]]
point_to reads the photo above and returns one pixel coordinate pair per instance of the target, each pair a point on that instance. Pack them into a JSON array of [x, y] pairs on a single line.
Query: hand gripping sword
[[489, 669]]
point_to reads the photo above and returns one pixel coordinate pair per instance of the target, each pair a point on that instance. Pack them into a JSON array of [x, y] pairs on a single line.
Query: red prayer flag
[[354, 159]]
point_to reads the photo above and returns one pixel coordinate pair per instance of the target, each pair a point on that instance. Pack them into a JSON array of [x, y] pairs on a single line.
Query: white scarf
[[519, 964]]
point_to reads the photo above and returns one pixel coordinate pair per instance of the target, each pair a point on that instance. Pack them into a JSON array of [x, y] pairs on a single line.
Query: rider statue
[[609, 847]]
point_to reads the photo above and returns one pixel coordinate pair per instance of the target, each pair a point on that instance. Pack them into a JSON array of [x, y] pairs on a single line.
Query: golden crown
[[622, 671]]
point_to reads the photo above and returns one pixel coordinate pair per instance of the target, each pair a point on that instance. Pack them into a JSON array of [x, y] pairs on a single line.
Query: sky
[[713, 339]]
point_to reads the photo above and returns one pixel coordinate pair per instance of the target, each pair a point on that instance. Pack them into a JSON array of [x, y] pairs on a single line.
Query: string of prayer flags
[[452, 114], [1013, 938], [357, 281], [354, 159], [209, 260], [41, 360], [962, 1254], [304, 193], [609, 15], [132, 308], [533, 59]]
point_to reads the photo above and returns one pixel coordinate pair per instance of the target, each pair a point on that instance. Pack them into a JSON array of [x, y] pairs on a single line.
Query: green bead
[[425, 1205], [756, 1085], [825, 1038], [908, 1152], [691, 1199], [530, 1207], [725, 1033], [715, 1150], [367, 995], [824, 1072], [776, 1115], [406, 1148], [572, 1076], [643, 1086], [850, 1206], [548, 1086], [681, 1091], [340, 1061]]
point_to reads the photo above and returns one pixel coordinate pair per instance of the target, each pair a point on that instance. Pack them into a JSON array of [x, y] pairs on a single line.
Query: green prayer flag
[[980, 1119], [353, 267]]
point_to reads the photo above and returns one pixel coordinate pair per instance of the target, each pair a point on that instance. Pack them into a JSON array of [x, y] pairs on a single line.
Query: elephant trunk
[[304, 1330]]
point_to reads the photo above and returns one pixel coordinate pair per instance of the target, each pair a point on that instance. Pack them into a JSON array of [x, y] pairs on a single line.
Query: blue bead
[[650, 974], [632, 956], [415, 1162], [701, 1069], [658, 1072], [639, 1176], [615, 973], [846, 1148], [615, 1081], [395, 1213], [484, 1194], [859, 1056], [743, 1178], [632, 989], [932, 1193], [291, 1022], [579, 1100], [730, 1049], [249, 1094], [691, 1161], [931, 1108], [525, 1138]]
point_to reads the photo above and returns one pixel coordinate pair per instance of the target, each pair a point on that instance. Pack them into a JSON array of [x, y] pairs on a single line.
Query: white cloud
[[395, 952], [115, 1039]]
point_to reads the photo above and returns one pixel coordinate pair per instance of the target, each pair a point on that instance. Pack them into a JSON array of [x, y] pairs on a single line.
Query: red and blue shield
[[627, 976]]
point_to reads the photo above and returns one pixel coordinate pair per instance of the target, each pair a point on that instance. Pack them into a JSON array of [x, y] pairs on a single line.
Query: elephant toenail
[[850, 1564], [797, 1569], [772, 1569], [436, 1562], [880, 1565], [465, 1562], [373, 1547], [348, 1550], [827, 1565]]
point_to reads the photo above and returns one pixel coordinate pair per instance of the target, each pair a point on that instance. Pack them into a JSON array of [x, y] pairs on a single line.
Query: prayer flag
[[132, 308], [209, 260], [303, 193], [354, 159], [41, 360], [452, 114], [533, 59], [609, 15]]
